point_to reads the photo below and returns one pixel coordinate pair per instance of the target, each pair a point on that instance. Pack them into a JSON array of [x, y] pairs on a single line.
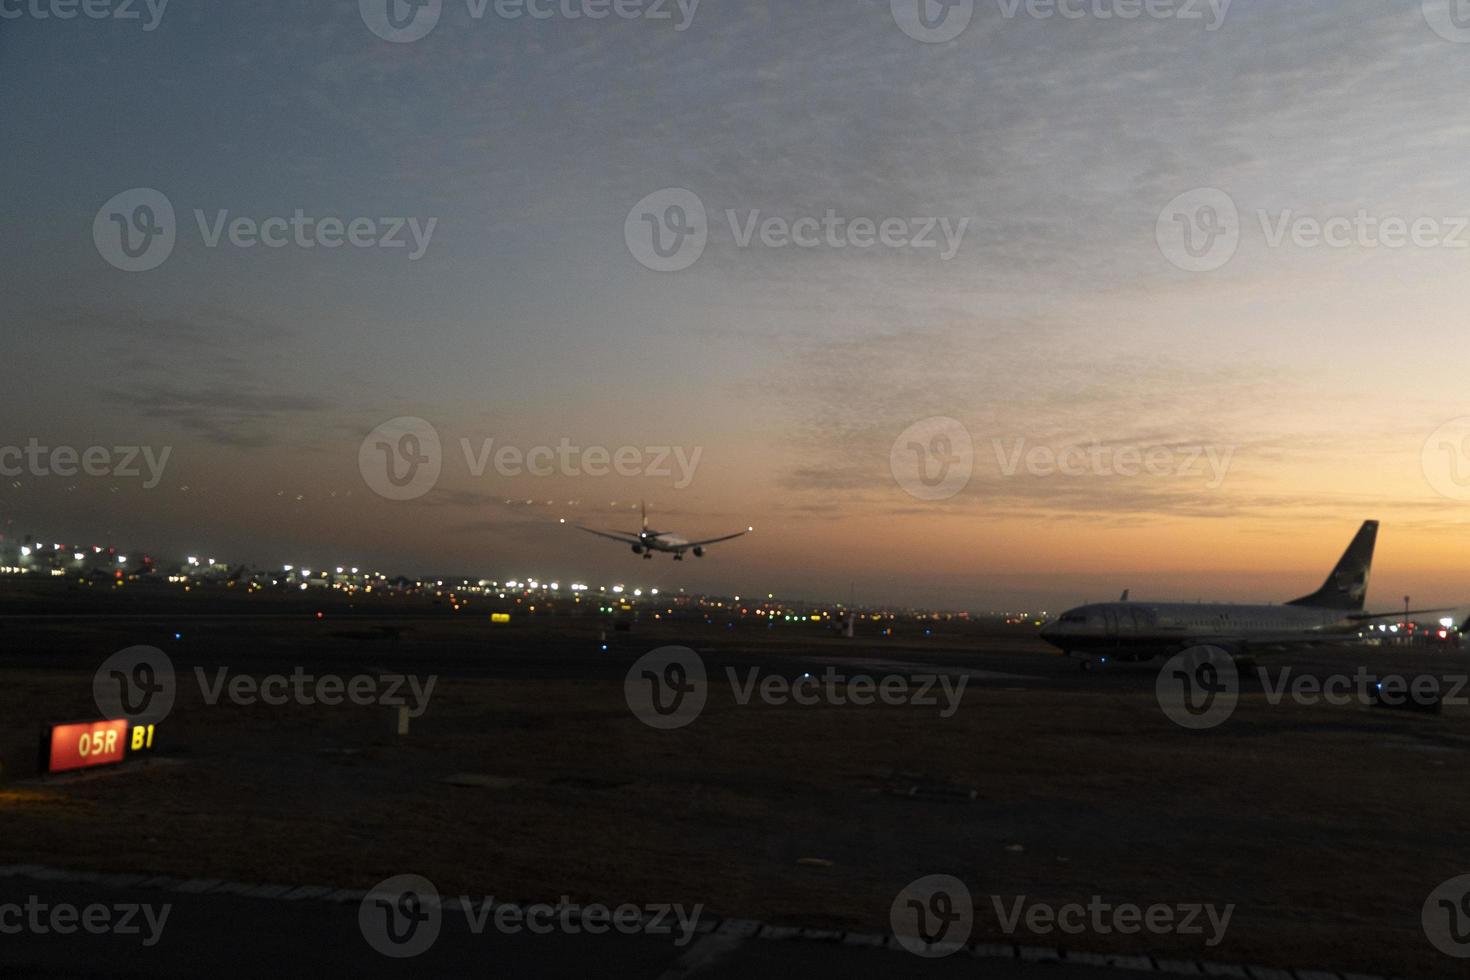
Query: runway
[[194, 927]]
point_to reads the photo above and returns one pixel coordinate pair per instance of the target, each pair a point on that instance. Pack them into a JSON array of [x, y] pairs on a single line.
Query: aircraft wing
[[728, 537], [613, 535], [1278, 641]]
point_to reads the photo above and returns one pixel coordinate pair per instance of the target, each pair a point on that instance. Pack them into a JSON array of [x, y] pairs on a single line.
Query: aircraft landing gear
[[678, 558]]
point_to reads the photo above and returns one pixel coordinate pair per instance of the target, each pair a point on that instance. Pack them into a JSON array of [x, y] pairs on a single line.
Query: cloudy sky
[[981, 305]]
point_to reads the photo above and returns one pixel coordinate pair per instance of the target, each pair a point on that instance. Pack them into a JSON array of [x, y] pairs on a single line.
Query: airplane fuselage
[[664, 541], [1161, 629]]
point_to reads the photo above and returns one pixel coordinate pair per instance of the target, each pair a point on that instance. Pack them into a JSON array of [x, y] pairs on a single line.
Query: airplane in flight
[[646, 542], [1135, 631]]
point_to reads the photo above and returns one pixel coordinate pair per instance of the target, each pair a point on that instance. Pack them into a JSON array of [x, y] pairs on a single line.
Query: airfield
[[528, 778]]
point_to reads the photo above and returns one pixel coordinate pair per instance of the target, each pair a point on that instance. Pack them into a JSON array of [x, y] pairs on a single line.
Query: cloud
[[225, 416]]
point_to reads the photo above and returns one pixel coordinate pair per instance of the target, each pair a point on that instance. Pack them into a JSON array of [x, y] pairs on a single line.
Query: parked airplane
[[646, 541], [1141, 631]]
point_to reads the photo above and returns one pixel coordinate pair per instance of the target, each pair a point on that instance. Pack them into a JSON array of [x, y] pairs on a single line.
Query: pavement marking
[[703, 955]]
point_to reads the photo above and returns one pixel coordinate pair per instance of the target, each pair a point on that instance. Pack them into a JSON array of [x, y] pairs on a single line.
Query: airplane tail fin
[[1347, 586], [643, 504]]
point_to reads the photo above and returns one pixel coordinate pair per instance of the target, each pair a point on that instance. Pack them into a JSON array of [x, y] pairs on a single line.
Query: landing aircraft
[[1142, 631], [645, 542]]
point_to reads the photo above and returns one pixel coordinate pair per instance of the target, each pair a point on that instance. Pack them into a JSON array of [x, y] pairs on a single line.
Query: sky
[[985, 305]]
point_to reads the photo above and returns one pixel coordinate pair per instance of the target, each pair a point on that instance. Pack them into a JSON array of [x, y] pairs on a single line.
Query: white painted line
[[52, 874], [199, 886], [344, 895], [702, 955], [120, 880], [1039, 954], [1268, 973], [994, 951], [162, 881], [744, 928], [234, 888], [1141, 963]]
